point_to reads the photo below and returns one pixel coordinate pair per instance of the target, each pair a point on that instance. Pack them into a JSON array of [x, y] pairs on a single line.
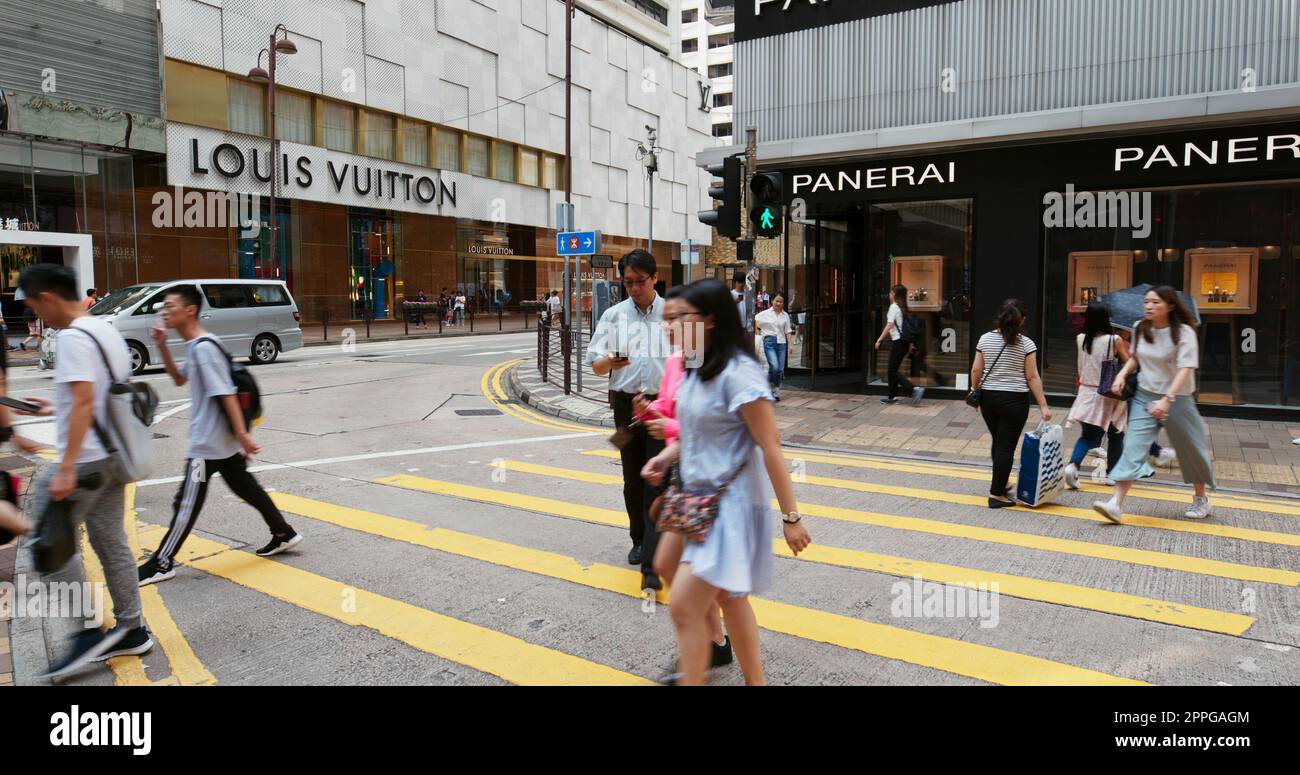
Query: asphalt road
[[455, 537]]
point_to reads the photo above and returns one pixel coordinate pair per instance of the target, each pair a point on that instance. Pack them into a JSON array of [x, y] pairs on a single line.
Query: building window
[[247, 107], [339, 125], [476, 151], [690, 15], [551, 173], [722, 100], [448, 150], [379, 135], [415, 143], [528, 167], [293, 117], [722, 130], [504, 156], [720, 40], [720, 71], [690, 45], [651, 9]]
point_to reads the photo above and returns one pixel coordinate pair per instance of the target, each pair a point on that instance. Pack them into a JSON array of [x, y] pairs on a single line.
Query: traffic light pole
[[745, 250]]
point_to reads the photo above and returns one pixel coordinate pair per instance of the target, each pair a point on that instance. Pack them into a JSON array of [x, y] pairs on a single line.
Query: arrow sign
[[577, 243]]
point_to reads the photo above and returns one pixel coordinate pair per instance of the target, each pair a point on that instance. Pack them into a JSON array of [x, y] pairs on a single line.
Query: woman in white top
[[1098, 415], [775, 328], [902, 342], [1005, 386], [460, 308], [1166, 357]]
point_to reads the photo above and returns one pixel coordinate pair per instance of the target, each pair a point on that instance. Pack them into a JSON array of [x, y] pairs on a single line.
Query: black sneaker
[[152, 572], [634, 556], [722, 655], [136, 641], [651, 581], [889, 401], [280, 544], [85, 648]]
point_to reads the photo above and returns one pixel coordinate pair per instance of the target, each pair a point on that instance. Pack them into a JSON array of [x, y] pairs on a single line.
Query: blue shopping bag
[[1042, 463]]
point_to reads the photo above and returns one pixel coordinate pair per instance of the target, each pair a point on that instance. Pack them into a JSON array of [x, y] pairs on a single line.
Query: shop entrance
[[827, 298], [373, 240]]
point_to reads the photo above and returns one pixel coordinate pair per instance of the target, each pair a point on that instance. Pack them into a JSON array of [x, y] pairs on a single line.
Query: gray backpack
[[125, 430]]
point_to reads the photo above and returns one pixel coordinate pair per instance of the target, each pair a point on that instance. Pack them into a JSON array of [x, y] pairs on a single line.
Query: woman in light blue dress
[[727, 434]]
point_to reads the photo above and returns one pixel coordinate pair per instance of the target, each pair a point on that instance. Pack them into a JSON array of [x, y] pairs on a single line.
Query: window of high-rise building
[[720, 71], [721, 39], [722, 100], [690, 45], [722, 130], [690, 15]]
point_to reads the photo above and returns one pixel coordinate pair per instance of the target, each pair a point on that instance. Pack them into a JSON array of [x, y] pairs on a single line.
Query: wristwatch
[[1171, 399], [786, 518]]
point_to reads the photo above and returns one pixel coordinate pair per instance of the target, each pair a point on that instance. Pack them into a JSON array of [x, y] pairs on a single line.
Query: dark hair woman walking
[[1166, 357], [1005, 386], [1098, 415], [902, 342]]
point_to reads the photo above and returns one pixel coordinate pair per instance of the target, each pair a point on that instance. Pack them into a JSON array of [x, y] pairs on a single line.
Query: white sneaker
[[1200, 508], [1099, 453], [1071, 476], [1166, 457], [917, 394], [1295, 441], [1109, 510]]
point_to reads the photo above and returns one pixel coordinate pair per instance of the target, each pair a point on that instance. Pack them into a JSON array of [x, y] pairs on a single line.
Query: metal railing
[[557, 361]]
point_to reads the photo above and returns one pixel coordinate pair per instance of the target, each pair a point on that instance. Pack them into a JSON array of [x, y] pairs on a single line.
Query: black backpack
[[246, 391], [912, 328]]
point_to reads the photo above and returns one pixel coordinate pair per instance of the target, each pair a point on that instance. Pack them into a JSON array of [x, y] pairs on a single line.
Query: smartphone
[[14, 403]]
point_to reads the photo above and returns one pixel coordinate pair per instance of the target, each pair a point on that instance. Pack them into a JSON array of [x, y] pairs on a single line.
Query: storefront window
[[293, 117], [375, 250], [477, 153], [16, 180], [379, 135], [246, 107], [505, 161], [415, 144], [59, 174], [339, 127], [253, 249], [448, 150], [1235, 250]]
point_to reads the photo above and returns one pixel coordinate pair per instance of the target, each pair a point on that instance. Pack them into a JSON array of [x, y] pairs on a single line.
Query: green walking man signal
[[766, 189]]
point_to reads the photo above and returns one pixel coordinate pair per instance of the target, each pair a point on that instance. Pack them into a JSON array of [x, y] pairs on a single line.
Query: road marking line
[[932, 651], [1154, 559], [480, 648], [127, 671], [490, 384], [174, 410]]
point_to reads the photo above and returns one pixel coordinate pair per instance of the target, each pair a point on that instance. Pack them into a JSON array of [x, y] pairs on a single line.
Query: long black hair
[[1179, 315], [1010, 321], [712, 299], [1096, 322]]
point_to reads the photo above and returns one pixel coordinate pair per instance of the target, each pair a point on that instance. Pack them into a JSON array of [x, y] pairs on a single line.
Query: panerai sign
[[382, 184], [1238, 150], [897, 176]]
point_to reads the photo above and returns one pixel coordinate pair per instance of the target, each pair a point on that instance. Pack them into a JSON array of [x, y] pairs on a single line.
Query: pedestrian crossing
[[550, 520]]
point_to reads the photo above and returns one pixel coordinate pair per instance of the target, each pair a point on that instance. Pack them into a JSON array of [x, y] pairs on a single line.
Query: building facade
[[707, 48], [1047, 150]]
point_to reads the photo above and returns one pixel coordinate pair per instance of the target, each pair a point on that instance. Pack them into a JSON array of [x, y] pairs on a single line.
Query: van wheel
[[139, 358], [265, 350]]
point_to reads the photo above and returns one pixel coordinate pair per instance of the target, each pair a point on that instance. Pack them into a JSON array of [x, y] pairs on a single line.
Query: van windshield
[[122, 298]]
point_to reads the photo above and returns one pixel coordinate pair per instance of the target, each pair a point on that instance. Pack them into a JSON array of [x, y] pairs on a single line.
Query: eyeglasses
[[630, 283]]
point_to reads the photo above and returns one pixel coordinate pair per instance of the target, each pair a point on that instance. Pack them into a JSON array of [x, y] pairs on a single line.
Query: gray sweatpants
[[103, 512]]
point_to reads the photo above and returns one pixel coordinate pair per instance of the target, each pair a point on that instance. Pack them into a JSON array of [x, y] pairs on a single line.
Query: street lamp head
[[259, 74], [285, 46]]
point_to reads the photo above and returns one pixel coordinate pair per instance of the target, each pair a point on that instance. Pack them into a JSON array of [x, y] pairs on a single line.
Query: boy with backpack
[[219, 436]]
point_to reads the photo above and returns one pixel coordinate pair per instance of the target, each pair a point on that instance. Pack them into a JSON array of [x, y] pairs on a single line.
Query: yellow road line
[[946, 654], [491, 386], [1154, 559], [127, 671], [185, 664], [1057, 593], [488, 651]]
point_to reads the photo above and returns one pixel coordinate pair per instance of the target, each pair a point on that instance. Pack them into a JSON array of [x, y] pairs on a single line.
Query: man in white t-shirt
[[554, 307], [81, 483]]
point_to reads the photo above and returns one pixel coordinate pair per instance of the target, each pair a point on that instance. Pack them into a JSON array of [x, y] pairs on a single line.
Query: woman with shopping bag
[[1100, 412], [1004, 375], [1165, 359]]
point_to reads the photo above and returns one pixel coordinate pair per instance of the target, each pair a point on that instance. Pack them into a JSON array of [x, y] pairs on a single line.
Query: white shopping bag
[[1042, 463]]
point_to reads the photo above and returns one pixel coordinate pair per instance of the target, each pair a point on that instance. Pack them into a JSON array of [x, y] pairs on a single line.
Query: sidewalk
[[22, 468], [1248, 454]]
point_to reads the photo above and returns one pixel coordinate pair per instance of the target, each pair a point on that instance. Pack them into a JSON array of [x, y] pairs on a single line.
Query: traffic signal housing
[[766, 214], [726, 219]]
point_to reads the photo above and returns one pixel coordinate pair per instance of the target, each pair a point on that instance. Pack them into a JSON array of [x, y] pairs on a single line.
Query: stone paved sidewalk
[[22, 468], [1248, 454]]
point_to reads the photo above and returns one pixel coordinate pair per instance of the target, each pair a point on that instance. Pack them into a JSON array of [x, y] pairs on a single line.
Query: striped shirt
[[1008, 371]]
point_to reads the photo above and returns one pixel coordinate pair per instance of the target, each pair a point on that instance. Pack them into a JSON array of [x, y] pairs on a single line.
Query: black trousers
[[194, 489], [898, 350], [1005, 414], [637, 493]]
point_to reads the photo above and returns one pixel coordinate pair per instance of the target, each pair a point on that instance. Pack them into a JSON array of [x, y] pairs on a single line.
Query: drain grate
[[478, 412]]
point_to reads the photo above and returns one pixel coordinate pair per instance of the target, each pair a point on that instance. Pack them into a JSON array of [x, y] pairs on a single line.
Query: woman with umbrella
[[1165, 357]]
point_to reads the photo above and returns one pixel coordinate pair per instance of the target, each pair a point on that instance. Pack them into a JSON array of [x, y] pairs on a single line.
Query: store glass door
[[829, 310], [373, 241]]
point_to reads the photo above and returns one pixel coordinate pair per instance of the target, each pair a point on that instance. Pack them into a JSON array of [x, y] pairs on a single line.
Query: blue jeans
[[1091, 439], [775, 353]]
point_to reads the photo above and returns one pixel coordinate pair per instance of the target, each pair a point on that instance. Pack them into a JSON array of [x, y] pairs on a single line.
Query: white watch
[[797, 517]]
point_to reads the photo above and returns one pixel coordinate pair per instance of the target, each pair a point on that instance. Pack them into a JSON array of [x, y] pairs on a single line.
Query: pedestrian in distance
[[902, 329], [90, 299], [218, 437], [1165, 356], [775, 328], [728, 433], [1005, 373]]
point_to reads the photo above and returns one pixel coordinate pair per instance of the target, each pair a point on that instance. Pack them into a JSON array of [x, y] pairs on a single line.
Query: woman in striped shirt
[[1005, 386]]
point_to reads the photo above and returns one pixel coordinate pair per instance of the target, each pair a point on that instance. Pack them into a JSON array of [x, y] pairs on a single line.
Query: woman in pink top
[[660, 418]]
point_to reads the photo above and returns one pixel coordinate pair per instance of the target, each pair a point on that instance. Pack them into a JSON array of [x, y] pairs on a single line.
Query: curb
[[537, 393], [410, 337]]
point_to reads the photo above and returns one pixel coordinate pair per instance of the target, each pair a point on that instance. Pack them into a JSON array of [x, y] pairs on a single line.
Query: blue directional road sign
[[577, 243]]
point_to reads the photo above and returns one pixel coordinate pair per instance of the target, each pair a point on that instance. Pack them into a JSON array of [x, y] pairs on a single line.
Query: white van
[[257, 319]]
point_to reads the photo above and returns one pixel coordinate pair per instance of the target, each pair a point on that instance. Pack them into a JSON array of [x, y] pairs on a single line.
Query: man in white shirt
[[82, 482], [555, 308], [630, 347]]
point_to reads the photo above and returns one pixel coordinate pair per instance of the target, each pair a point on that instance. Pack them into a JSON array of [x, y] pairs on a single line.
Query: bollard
[[325, 321]]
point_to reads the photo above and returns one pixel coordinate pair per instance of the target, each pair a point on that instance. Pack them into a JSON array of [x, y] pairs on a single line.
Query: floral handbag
[[690, 513]]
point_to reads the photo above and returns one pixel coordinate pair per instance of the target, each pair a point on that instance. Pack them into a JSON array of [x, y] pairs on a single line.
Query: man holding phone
[[630, 347]]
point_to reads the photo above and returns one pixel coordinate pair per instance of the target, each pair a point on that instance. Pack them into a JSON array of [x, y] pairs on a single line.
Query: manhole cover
[[477, 412]]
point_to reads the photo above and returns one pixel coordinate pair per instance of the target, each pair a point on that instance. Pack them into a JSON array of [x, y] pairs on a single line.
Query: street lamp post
[[282, 46]]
